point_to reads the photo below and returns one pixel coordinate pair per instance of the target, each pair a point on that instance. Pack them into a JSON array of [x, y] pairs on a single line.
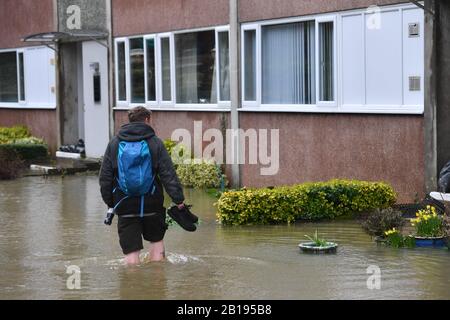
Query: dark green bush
[[309, 201], [27, 151], [10, 164]]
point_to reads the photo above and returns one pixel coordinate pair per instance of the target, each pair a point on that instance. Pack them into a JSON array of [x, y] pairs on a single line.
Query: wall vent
[[414, 83]]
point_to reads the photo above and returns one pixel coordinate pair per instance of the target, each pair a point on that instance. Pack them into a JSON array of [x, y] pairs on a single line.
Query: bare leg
[[156, 251], [132, 259]]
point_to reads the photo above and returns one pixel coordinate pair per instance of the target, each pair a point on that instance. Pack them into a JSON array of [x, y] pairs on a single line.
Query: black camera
[[109, 217]]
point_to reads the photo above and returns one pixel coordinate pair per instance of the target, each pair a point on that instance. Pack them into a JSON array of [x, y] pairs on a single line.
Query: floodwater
[[48, 225]]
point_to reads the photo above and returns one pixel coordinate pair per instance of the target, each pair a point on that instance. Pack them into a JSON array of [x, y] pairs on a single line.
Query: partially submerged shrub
[[380, 220], [199, 174], [308, 201], [27, 151], [10, 164], [194, 173], [395, 239]]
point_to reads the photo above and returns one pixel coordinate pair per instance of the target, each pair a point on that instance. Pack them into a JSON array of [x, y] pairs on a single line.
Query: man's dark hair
[[139, 114]]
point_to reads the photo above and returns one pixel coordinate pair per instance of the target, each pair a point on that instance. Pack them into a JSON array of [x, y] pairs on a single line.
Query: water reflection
[[49, 224]]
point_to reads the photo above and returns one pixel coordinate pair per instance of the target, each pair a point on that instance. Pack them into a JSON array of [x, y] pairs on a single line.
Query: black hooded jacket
[[162, 167]]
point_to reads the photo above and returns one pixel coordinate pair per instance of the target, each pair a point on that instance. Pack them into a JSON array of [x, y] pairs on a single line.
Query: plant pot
[[310, 247], [430, 241]]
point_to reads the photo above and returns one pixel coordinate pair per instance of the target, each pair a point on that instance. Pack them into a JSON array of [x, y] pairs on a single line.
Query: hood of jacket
[[135, 131]]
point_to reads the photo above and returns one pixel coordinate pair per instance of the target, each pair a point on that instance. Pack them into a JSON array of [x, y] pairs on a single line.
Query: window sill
[[367, 109], [26, 106], [194, 108]]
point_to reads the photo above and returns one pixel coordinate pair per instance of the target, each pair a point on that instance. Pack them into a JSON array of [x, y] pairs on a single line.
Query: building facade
[[344, 82]]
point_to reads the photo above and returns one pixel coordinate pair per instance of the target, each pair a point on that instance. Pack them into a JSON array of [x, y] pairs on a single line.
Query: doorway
[[84, 96]]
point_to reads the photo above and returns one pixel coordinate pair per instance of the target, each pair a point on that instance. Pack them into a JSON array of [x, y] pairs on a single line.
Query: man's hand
[[181, 206]]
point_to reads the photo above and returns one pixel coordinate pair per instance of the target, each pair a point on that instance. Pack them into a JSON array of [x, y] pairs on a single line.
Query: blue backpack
[[136, 176]]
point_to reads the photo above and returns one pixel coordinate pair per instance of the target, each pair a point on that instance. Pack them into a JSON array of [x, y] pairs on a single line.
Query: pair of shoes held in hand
[[184, 217]]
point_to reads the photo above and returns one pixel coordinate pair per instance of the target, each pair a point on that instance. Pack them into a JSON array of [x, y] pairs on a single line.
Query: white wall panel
[[353, 92], [384, 60], [39, 77]]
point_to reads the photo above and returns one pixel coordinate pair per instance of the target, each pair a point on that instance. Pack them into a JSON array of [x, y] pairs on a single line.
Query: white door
[[96, 103]]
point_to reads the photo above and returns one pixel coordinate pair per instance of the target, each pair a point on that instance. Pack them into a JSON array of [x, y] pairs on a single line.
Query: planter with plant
[[429, 227], [395, 239], [317, 245]]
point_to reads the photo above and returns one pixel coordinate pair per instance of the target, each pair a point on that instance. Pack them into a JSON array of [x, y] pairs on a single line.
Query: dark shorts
[[132, 230]]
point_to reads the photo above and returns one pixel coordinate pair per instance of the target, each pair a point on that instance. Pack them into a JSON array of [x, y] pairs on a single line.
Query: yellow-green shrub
[[10, 135], [199, 174], [308, 201]]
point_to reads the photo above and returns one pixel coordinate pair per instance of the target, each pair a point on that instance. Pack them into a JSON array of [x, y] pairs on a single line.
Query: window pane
[[137, 83], [22, 77], [250, 65], [224, 66], [196, 67], [165, 64], [326, 61], [121, 76], [151, 79], [288, 74], [8, 77]]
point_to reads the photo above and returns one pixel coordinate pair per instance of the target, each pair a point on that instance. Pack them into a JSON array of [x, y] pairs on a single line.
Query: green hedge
[[27, 151], [308, 201]]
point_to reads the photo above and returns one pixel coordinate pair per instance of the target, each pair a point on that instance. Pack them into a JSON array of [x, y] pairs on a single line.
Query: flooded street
[[49, 224]]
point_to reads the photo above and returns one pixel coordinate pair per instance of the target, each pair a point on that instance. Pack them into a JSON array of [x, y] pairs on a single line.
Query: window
[[288, 75], [121, 72], [224, 65], [250, 65], [27, 78], [166, 70], [179, 69], [326, 61], [21, 78], [195, 56], [8, 77], [151, 69], [338, 62], [137, 75]]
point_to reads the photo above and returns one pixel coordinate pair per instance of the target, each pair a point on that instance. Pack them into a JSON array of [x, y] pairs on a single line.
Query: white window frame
[[147, 101], [160, 104], [258, 80], [116, 71], [337, 105], [320, 103], [19, 87], [224, 103], [128, 61]]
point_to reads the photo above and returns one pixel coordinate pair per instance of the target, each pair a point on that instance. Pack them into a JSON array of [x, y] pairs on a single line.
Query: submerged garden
[[373, 204], [246, 245]]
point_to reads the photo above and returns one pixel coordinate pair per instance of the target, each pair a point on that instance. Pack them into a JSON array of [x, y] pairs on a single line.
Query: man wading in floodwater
[[135, 167]]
